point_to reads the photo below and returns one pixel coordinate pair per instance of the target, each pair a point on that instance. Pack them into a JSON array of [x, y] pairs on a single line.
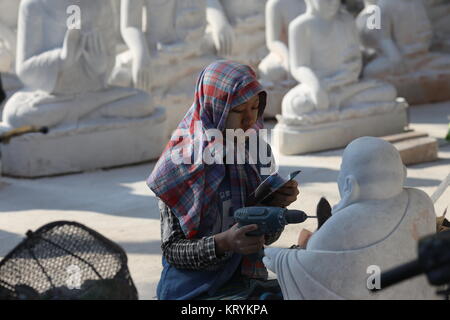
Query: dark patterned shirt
[[192, 254]]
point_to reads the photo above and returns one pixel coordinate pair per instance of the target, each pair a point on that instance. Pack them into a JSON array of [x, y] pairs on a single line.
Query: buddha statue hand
[[72, 47], [95, 52], [223, 37], [142, 72], [320, 98]]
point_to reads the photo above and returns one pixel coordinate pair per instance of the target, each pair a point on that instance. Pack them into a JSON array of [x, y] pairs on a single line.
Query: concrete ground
[[118, 204]]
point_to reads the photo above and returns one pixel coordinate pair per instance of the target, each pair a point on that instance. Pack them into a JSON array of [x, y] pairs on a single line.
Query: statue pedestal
[[290, 138], [414, 147], [88, 147], [422, 87]]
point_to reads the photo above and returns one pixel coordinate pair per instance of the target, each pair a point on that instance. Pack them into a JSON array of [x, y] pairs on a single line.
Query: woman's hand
[[236, 240], [284, 196]]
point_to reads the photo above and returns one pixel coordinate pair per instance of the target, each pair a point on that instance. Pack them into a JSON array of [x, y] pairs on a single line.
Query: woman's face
[[244, 116]]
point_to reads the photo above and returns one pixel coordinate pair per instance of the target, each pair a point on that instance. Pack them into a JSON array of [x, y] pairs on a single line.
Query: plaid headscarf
[[190, 189]]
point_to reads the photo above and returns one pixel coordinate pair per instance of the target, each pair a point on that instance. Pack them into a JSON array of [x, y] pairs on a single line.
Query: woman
[[205, 254]]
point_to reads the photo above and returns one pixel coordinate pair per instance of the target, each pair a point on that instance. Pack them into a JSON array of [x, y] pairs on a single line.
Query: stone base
[[291, 140], [88, 147], [414, 147], [422, 88]]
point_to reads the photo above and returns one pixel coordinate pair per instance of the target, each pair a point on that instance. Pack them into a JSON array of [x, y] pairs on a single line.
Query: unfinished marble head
[[329, 70], [65, 66], [371, 169], [375, 225], [399, 44]]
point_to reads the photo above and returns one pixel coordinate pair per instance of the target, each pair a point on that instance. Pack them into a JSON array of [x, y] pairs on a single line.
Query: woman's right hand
[[236, 240]]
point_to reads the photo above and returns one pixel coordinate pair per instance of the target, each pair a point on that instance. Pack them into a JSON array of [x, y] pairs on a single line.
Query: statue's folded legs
[[298, 101], [50, 111], [65, 69]]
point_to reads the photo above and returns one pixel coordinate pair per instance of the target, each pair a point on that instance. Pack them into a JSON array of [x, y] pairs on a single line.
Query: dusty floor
[[118, 204]]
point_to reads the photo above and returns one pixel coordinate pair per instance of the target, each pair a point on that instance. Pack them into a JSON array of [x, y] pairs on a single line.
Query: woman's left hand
[[284, 196]]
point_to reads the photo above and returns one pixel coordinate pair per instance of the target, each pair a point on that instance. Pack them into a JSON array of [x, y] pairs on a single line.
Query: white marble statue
[[279, 14], [328, 70], [402, 51], [8, 34], [330, 94], [274, 68], [65, 71], [166, 50], [65, 67], [159, 30], [236, 29], [377, 224], [439, 14]]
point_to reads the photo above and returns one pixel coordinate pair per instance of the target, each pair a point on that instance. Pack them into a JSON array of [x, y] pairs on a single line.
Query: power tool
[[269, 220]]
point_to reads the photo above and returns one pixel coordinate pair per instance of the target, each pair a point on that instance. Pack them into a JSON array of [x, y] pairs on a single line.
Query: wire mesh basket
[[66, 261]]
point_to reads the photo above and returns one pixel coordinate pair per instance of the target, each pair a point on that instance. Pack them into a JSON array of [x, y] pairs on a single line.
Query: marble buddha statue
[[65, 70], [279, 14], [166, 52], [402, 51], [145, 25], [235, 29], [330, 95], [65, 60], [8, 34], [328, 71], [376, 224], [273, 70]]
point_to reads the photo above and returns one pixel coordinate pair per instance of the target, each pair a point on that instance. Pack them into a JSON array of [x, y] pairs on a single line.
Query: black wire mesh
[[66, 260]]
